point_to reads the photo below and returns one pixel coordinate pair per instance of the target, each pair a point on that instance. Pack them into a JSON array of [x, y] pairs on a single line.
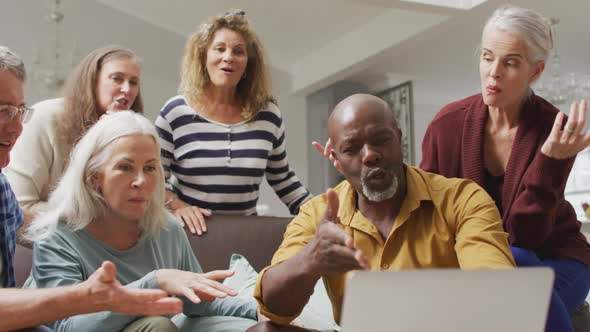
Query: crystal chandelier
[[50, 65], [560, 88]]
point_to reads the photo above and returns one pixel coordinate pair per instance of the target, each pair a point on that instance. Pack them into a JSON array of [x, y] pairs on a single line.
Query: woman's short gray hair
[[76, 202], [10, 61], [531, 26]]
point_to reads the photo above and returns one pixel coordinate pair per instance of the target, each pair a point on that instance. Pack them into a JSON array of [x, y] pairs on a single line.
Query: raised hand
[[326, 151], [332, 251], [104, 292], [566, 143], [195, 286]]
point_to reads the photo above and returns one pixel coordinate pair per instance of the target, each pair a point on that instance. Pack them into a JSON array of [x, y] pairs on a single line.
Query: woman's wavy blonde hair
[[253, 90], [80, 105]]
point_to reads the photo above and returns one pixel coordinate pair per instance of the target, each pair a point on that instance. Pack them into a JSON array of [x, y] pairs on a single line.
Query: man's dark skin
[[366, 144]]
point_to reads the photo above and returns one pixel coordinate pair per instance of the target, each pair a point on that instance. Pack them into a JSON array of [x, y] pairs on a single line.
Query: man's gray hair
[[12, 62], [76, 202]]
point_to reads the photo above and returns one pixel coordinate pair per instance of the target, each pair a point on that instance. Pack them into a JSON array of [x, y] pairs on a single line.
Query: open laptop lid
[[448, 300]]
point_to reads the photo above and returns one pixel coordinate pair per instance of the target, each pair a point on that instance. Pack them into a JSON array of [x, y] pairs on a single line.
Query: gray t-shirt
[[68, 257]]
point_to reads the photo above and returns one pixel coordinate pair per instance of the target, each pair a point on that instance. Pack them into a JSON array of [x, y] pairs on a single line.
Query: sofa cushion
[[317, 314], [254, 237], [251, 236]]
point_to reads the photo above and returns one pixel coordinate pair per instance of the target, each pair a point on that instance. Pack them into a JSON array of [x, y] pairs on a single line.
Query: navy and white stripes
[[220, 167]]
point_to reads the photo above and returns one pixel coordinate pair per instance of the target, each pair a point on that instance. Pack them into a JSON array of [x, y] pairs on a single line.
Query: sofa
[[256, 238]]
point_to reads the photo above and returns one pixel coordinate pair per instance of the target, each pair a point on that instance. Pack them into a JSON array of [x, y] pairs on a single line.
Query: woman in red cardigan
[[520, 148]]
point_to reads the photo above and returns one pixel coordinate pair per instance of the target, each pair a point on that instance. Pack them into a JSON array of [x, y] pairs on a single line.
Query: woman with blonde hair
[[109, 205], [107, 79], [224, 132]]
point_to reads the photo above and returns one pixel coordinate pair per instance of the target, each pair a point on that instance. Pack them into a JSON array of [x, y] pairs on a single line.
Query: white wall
[[423, 114], [293, 108]]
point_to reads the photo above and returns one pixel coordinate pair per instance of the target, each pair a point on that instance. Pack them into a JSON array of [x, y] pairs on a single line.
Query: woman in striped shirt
[[223, 133]]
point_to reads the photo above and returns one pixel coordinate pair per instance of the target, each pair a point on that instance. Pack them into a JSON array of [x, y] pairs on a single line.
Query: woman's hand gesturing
[[566, 143], [196, 287]]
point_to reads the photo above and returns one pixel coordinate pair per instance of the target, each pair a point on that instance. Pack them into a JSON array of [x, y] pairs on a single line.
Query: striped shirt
[[219, 166], [11, 219]]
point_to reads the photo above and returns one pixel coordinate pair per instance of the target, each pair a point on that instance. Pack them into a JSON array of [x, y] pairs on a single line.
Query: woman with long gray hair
[[109, 205]]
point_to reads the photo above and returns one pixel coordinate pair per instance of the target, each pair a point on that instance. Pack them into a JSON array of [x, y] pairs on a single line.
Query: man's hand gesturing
[[332, 251]]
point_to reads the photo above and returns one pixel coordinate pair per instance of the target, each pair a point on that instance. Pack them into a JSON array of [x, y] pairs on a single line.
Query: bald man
[[384, 216]]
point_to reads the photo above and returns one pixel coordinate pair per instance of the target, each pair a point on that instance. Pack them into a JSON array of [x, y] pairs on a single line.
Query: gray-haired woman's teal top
[[67, 258]]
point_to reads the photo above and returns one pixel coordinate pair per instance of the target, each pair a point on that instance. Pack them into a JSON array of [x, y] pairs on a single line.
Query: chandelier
[[50, 65], [560, 88]]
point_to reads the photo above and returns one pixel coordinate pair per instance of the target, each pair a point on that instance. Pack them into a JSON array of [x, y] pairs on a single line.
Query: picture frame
[[401, 102]]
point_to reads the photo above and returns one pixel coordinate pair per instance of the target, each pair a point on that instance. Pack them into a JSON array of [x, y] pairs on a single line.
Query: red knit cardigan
[[536, 214]]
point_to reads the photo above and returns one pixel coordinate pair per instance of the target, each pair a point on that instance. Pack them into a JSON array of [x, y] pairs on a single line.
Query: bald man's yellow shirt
[[442, 223]]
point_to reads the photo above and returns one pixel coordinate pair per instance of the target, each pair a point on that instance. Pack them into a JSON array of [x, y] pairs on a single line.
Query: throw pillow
[[317, 314]]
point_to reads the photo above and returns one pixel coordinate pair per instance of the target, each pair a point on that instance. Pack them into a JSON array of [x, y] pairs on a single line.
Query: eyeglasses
[[8, 112]]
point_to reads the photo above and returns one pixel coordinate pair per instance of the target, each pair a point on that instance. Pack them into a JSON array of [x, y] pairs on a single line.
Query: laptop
[[448, 300]]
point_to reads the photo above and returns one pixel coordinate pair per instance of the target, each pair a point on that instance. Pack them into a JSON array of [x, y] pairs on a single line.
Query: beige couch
[[256, 238]]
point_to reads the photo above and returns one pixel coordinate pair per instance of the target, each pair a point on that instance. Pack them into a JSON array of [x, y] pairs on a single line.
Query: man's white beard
[[379, 196]]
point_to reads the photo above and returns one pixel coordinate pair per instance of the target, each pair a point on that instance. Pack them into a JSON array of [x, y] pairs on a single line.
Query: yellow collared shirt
[[442, 223]]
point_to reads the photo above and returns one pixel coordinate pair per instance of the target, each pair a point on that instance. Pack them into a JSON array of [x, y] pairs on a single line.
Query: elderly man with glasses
[[22, 308], [13, 113]]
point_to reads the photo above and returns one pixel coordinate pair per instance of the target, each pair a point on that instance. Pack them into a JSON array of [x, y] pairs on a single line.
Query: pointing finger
[[328, 148], [333, 205], [318, 147], [108, 273]]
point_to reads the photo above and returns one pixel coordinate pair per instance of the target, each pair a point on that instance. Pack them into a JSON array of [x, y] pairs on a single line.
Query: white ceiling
[[376, 42], [443, 61], [288, 29], [302, 36]]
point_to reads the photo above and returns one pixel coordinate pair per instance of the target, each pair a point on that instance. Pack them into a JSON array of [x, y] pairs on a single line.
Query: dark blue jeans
[[572, 282]]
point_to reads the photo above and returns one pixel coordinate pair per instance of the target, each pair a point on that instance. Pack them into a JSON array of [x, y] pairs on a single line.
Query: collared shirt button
[[384, 266]]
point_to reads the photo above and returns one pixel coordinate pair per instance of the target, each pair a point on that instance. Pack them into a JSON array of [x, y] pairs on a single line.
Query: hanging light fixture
[[51, 65], [560, 88]]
